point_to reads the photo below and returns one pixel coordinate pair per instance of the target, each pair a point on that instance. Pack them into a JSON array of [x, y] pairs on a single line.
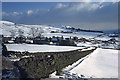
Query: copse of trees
[[20, 32], [12, 33], [36, 32]]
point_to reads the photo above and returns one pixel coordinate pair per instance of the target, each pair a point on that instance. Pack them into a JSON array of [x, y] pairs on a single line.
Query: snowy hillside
[[92, 38], [8, 27], [102, 63]]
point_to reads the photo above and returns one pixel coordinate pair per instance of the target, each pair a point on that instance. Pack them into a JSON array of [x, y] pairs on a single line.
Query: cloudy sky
[[85, 15]]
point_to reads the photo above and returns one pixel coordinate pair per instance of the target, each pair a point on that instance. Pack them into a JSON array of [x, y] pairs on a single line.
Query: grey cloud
[[80, 14]]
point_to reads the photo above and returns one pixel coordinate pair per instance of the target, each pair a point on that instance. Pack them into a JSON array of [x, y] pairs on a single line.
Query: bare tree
[[40, 32], [12, 33], [33, 32], [36, 32], [20, 32]]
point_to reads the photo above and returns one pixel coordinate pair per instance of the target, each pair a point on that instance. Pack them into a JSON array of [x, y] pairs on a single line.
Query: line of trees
[[34, 32]]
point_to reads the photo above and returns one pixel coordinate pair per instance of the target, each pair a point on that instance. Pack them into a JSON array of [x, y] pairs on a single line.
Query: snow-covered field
[[8, 27], [39, 48], [102, 63]]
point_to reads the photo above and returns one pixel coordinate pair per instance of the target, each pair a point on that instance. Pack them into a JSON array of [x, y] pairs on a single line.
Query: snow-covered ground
[[102, 63], [39, 48], [8, 27], [87, 44]]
